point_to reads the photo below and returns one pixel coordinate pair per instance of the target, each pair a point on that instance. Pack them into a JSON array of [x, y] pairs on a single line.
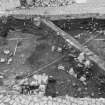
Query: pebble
[[9, 60], [44, 78], [1, 96], [80, 1], [11, 102], [74, 104], [74, 84], [34, 83], [6, 51], [37, 104], [92, 94], [79, 89], [2, 60], [7, 100], [59, 100], [44, 98], [15, 103], [61, 67], [59, 49], [58, 33], [42, 87], [53, 48], [23, 81], [86, 103], [2, 104], [39, 79], [1, 76], [17, 100], [35, 77], [81, 57], [82, 79], [50, 103], [71, 72], [87, 63]]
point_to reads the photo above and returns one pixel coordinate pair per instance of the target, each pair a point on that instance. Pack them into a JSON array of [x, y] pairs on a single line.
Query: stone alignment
[[42, 100]]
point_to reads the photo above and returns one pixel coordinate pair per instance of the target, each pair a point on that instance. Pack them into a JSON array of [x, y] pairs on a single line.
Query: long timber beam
[[93, 57], [63, 12]]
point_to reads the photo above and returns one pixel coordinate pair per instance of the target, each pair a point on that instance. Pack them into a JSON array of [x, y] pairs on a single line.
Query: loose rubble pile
[[6, 56], [81, 70], [34, 85]]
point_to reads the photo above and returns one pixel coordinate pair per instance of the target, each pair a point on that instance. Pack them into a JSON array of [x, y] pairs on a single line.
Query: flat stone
[[74, 104], [12, 101], [37, 104], [50, 103], [86, 103]]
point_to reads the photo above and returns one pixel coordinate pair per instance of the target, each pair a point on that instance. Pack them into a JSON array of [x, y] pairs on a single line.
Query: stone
[[80, 1], [50, 98], [92, 94], [7, 100], [11, 102], [81, 57], [74, 104], [82, 79], [15, 103], [34, 83], [6, 51], [53, 48], [87, 63], [1, 96], [79, 89], [2, 60], [37, 104], [44, 78], [2, 104], [23, 101], [59, 49], [31, 103], [61, 67], [50, 102], [59, 100], [9, 60], [35, 99], [86, 102], [17, 100], [29, 2], [54, 103], [71, 72]]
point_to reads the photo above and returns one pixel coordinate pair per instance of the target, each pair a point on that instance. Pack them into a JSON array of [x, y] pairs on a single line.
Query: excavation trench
[[46, 46]]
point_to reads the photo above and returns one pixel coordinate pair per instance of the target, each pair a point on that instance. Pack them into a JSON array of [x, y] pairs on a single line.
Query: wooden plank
[[93, 57]]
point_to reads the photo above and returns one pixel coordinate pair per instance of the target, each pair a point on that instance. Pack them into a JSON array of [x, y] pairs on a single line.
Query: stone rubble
[[38, 100]]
